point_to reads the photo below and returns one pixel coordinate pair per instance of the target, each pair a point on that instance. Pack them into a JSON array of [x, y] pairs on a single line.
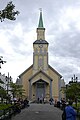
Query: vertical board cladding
[[36, 62], [34, 92], [25, 81], [41, 34], [55, 82], [45, 63], [55, 86], [48, 92]]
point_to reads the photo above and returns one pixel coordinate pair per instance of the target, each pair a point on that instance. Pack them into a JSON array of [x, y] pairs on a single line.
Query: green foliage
[[2, 92], [8, 12], [17, 90], [73, 91], [4, 106]]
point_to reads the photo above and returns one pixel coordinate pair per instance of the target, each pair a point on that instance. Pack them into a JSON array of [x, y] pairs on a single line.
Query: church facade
[[40, 79]]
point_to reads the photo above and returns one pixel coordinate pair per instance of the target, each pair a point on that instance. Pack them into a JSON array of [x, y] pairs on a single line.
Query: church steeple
[[40, 46], [40, 25], [40, 29]]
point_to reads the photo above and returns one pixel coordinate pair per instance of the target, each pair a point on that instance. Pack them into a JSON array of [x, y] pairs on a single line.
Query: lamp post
[[75, 80], [8, 80]]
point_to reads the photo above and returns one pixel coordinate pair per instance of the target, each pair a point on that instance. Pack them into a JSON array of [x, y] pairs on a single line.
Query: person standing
[[70, 112], [51, 101]]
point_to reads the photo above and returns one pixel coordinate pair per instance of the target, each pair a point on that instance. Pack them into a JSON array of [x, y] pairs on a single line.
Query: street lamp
[[74, 78], [8, 80]]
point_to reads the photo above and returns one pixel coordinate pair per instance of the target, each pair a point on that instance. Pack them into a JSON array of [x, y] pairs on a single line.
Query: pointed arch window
[[40, 62], [36, 51], [40, 50], [45, 51]]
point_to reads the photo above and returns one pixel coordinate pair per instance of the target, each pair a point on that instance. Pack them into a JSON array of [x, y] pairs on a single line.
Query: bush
[[4, 106]]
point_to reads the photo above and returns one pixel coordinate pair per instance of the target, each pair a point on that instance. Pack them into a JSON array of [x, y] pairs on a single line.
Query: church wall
[[55, 84], [36, 62], [41, 34], [45, 62], [47, 92], [25, 81], [33, 92]]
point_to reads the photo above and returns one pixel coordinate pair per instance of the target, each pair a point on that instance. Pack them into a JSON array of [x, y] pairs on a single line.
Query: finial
[[40, 9]]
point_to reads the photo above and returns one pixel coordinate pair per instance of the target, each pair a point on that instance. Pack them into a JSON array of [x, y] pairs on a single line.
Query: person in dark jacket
[[70, 112], [51, 101]]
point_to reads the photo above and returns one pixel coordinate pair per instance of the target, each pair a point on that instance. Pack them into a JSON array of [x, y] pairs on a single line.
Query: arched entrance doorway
[[41, 89], [40, 86]]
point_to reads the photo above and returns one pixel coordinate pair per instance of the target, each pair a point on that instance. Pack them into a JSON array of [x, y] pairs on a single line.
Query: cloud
[[62, 22], [64, 39]]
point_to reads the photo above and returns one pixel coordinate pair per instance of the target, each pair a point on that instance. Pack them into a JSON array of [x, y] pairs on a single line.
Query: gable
[[40, 76], [26, 71], [54, 71]]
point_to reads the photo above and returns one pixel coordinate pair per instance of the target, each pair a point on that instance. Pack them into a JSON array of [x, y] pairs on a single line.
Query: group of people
[[69, 113], [41, 100], [20, 104]]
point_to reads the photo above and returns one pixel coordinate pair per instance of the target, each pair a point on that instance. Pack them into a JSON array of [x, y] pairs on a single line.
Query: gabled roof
[[26, 70], [40, 42], [55, 71], [42, 73]]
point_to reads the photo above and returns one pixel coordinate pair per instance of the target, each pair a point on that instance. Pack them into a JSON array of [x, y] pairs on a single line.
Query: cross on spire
[[40, 9]]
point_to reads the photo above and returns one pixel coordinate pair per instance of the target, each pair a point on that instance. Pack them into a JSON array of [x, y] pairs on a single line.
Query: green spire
[[40, 25]]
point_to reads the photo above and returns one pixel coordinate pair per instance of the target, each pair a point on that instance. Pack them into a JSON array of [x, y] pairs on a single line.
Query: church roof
[[25, 71], [55, 71], [40, 42], [42, 73]]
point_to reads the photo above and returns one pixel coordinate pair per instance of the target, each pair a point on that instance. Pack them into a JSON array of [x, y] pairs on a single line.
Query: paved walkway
[[39, 112]]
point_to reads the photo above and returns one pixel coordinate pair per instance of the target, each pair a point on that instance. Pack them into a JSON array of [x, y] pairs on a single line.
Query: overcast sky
[[62, 22]]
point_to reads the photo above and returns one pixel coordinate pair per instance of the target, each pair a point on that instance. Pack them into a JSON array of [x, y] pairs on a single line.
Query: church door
[[40, 90]]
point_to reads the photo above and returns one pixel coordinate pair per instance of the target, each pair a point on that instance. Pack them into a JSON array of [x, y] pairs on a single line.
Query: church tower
[[40, 46]]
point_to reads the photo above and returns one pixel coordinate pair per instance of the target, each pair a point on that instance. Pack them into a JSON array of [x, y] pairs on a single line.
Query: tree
[[1, 61], [16, 90], [2, 93], [8, 12], [20, 91], [73, 91]]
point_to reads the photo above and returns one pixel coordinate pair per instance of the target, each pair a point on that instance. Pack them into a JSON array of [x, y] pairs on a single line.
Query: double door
[[40, 90]]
